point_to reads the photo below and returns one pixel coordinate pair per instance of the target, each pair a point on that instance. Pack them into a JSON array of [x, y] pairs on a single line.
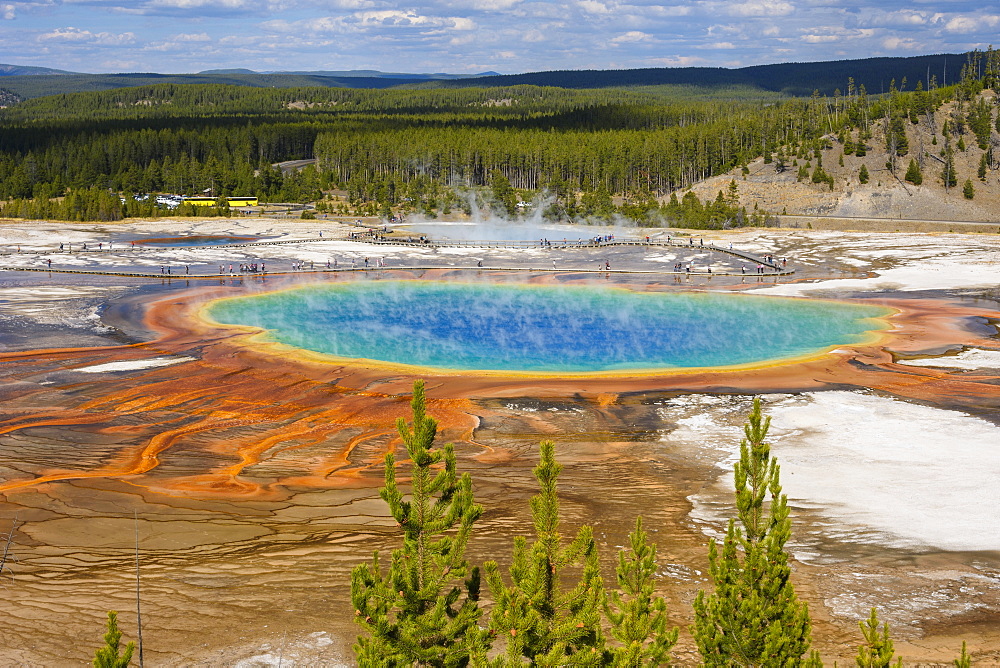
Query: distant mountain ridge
[[790, 78], [797, 79], [384, 75], [27, 70]]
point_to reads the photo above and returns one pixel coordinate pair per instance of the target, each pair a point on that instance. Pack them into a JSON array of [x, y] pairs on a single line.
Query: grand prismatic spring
[[546, 329], [236, 424]]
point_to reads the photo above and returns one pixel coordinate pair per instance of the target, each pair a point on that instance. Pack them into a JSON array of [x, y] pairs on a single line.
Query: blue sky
[[466, 36]]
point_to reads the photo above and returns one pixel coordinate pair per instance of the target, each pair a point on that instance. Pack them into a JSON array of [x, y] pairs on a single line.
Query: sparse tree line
[[901, 119], [585, 153]]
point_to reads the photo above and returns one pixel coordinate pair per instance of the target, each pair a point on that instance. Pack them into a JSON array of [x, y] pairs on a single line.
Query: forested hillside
[[799, 79], [41, 85], [594, 152]]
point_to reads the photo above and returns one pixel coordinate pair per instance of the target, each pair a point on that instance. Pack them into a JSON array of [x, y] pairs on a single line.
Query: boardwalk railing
[[486, 244]]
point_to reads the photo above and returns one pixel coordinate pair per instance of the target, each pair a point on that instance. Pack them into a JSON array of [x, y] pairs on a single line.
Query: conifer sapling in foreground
[[420, 611], [638, 618], [877, 651], [110, 655], [753, 618], [537, 618]]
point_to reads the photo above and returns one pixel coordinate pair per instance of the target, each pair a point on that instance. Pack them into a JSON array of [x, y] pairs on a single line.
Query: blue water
[[545, 328]]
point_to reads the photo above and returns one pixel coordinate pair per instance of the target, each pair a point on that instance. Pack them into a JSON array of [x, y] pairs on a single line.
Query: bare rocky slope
[[885, 196]]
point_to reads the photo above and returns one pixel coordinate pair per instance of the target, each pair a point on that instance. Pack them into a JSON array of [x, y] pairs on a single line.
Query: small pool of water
[[546, 329]]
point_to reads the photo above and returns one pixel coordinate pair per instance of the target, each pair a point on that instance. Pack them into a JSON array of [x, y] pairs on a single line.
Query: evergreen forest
[[580, 154]]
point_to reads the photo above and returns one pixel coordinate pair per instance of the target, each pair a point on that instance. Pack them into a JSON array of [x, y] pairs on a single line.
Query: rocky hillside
[[8, 98], [887, 194]]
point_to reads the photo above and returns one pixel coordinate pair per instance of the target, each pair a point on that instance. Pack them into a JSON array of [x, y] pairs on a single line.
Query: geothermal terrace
[[252, 458]]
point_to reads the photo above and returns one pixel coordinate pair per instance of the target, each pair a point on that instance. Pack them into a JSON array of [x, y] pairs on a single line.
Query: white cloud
[[484, 5], [197, 4], [631, 37], [372, 19], [192, 37], [10, 10], [765, 8], [72, 35], [820, 39], [903, 18], [394, 17], [669, 10], [893, 43], [593, 7], [967, 24]]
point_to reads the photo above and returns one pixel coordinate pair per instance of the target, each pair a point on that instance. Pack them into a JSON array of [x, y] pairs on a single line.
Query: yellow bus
[[211, 201]]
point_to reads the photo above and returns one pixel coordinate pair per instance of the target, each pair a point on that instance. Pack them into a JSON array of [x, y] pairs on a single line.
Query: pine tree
[[753, 618], [968, 191], [863, 175], [948, 172], [913, 173], [963, 660], [110, 655], [416, 614], [895, 136], [540, 620], [503, 193], [638, 618], [983, 166], [878, 650]]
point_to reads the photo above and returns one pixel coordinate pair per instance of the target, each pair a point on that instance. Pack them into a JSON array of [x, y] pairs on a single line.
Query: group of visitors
[[169, 271]]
